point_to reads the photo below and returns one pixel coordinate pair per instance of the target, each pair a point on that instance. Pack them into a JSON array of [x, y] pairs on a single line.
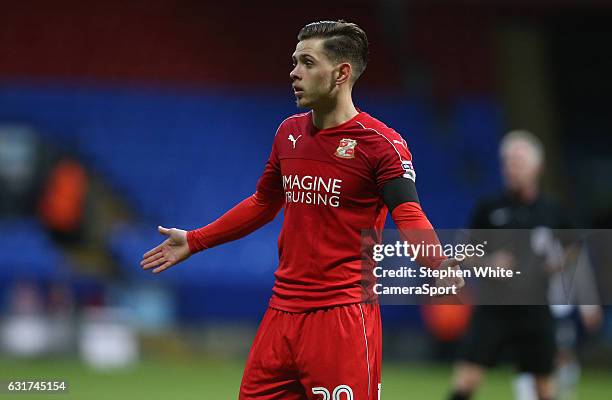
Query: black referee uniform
[[524, 332]]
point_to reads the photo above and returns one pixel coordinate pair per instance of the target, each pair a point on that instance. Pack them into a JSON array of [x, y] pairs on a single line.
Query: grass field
[[219, 380]]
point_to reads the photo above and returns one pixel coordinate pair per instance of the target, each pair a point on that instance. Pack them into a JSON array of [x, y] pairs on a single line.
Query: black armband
[[398, 191]]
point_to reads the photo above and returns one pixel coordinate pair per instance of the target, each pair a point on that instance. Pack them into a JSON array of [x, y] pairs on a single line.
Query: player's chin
[[302, 102]]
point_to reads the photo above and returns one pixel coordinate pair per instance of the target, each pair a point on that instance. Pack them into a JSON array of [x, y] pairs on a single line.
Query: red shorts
[[327, 354]]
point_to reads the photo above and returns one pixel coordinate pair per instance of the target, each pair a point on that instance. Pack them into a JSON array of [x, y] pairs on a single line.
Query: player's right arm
[[247, 216]]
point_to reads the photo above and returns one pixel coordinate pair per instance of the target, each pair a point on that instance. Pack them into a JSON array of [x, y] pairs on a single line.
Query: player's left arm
[[401, 198], [396, 178]]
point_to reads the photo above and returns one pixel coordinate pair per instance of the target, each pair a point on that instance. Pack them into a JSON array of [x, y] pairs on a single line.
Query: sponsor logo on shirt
[[346, 148], [402, 142], [500, 216], [293, 139], [313, 190], [408, 170]]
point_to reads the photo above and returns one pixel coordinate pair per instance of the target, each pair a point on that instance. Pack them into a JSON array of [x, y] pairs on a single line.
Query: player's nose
[[293, 75]]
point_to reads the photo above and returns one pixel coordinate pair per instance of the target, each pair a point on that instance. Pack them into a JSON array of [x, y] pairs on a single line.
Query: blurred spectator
[[39, 181], [62, 205], [21, 171]]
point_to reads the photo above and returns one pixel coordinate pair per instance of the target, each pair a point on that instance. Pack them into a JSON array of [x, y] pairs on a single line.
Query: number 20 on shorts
[[337, 392]]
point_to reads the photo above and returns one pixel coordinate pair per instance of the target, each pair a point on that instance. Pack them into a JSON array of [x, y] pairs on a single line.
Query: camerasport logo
[[346, 148]]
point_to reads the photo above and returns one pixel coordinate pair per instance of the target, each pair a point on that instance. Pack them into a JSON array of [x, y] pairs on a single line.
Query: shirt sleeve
[[270, 184], [414, 227], [393, 160]]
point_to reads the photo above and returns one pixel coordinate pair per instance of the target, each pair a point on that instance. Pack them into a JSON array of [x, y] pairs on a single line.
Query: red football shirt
[[331, 181]]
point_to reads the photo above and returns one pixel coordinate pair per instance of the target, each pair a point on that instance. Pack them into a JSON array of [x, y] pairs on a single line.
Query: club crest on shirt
[[346, 148]]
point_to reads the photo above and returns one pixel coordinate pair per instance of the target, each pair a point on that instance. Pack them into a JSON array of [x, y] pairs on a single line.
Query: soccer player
[[336, 171]]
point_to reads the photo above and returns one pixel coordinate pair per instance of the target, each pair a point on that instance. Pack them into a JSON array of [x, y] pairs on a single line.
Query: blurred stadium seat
[[29, 254]]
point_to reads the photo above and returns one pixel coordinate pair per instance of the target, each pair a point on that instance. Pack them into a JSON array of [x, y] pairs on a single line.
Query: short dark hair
[[343, 41]]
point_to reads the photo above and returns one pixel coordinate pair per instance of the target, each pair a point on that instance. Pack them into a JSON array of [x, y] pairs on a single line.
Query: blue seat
[[28, 253]]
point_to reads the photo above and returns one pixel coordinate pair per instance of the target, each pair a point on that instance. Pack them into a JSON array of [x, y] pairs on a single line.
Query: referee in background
[[526, 330]]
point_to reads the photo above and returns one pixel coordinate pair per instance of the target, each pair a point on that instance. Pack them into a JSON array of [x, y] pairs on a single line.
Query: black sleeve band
[[398, 191]]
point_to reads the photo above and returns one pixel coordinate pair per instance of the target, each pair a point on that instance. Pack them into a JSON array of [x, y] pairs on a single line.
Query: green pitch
[[219, 379]]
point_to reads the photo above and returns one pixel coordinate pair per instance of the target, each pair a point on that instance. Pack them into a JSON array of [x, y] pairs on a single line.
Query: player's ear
[[343, 73]]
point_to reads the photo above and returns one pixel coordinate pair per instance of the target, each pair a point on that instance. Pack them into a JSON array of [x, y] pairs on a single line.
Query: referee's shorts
[[526, 332]]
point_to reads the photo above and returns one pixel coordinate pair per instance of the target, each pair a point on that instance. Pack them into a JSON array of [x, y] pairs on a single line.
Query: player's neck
[[335, 114]]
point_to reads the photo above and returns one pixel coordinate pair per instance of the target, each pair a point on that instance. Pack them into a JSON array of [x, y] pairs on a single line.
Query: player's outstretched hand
[[171, 251], [457, 281]]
